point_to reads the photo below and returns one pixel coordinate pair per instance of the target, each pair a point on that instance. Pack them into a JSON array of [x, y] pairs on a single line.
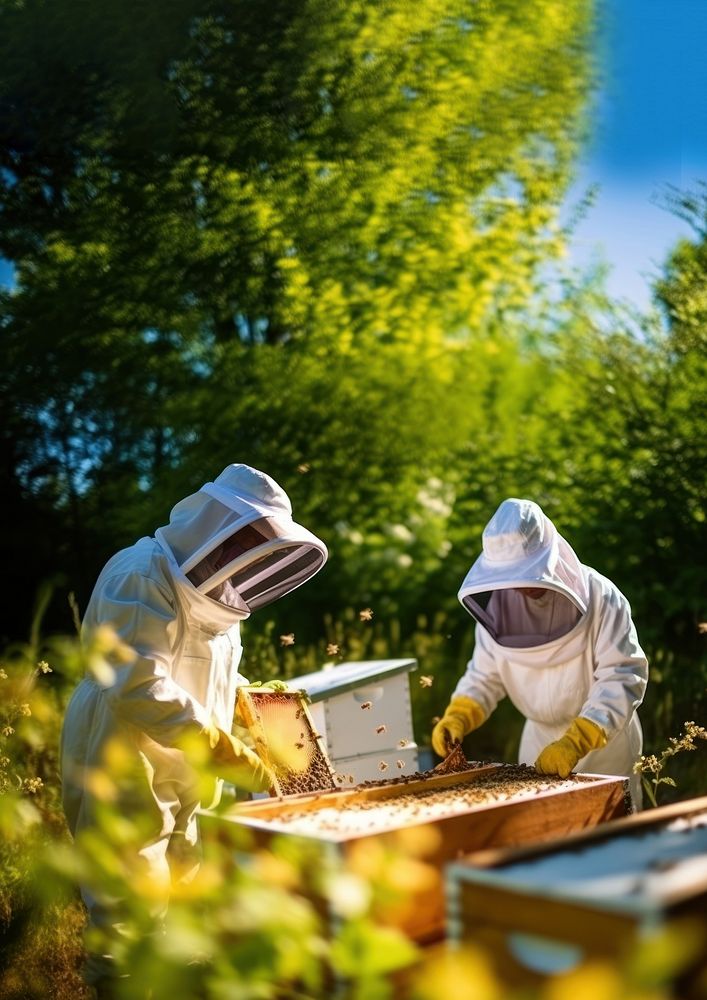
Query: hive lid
[[286, 739], [330, 681]]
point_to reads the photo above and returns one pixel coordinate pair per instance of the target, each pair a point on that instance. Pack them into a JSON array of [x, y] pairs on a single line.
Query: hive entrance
[[286, 740]]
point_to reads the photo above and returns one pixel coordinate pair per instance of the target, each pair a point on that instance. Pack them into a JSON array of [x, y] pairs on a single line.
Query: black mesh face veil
[[276, 574], [259, 563], [523, 616], [476, 605]]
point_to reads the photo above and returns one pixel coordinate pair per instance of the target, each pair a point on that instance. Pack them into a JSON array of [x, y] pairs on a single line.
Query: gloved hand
[[461, 717], [270, 685], [235, 763], [561, 756]]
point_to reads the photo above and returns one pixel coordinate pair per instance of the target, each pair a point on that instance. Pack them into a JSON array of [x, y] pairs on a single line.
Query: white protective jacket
[[574, 652], [184, 674]]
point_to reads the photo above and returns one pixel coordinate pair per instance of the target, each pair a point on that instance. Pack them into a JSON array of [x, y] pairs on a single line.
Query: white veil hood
[[523, 549]]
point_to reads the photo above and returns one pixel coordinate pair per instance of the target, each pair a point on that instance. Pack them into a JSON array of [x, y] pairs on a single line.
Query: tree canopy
[[265, 237]]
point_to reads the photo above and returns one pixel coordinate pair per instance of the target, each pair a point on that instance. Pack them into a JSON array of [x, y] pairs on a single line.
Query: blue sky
[[649, 131]]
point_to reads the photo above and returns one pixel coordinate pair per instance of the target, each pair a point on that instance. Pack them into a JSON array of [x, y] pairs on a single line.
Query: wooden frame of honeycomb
[[285, 739]]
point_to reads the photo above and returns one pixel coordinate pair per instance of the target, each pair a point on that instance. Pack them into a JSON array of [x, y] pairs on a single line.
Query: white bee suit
[[187, 647], [572, 651]]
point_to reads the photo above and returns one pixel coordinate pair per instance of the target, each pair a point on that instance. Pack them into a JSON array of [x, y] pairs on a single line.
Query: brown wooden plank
[[597, 931], [343, 797], [547, 815], [617, 824]]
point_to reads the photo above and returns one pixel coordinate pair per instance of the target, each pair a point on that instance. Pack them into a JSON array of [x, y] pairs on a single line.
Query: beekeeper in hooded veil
[[176, 600], [557, 638]]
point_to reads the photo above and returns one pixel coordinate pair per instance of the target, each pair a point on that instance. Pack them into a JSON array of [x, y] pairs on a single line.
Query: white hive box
[[363, 712]]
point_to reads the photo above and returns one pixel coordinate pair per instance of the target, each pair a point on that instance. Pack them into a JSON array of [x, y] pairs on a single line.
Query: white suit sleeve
[[143, 693], [620, 668], [481, 680]]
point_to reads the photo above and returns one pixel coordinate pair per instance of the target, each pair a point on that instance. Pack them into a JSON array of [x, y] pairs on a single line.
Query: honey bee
[[380, 729], [300, 746], [367, 704], [402, 743], [426, 681], [366, 615], [400, 764], [382, 766]]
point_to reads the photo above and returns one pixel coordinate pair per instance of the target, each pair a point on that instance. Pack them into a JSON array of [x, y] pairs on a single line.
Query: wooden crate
[[529, 815], [542, 910]]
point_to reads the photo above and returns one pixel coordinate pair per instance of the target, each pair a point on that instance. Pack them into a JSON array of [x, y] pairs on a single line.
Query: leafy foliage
[[247, 236]]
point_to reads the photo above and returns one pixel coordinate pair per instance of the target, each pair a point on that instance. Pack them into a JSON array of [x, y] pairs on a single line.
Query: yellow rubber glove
[[561, 756], [462, 715], [235, 763], [270, 685]]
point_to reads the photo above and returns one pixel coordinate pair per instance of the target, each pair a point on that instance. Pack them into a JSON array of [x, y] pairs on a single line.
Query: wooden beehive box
[[489, 805], [542, 910]]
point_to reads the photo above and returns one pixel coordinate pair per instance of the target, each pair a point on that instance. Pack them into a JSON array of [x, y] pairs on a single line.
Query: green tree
[[222, 193], [640, 452]]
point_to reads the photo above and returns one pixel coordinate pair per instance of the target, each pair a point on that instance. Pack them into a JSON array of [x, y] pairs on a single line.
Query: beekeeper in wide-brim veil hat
[[245, 550], [557, 638], [176, 601]]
